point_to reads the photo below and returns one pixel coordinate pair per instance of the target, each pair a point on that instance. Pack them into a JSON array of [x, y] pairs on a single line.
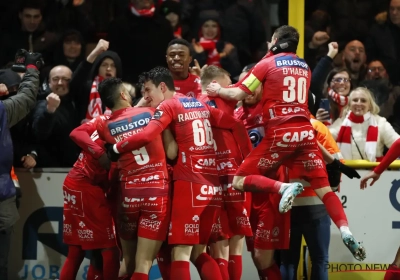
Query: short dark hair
[[157, 76], [109, 90], [181, 42], [287, 32], [32, 4], [211, 72]]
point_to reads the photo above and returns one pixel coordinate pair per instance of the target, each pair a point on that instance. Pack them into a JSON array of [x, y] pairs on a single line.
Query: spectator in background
[[171, 10], [53, 121], [25, 151], [210, 48], [383, 42], [317, 31], [361, 133], [338, 87], [99, 65], [31, 36], [140, 37], [351, 19], [354, 59], [385, 94]]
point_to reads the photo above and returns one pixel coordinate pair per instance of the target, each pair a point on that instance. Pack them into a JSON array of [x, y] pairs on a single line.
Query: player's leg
[[72, 263], [152, 232], [250, 175], [220, 253], [95, 270], [180, 265], [129, 247], [235, 257], [164, 261]]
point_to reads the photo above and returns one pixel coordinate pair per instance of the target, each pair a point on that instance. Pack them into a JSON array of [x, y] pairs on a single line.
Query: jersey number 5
[[202, 132], [297, 89], [141, 156]]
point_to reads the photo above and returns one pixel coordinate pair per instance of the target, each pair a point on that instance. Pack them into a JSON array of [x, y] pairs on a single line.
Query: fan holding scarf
[[361, 133]]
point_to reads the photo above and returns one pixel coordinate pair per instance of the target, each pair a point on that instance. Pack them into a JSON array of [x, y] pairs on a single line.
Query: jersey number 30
[[202, 132], [297, 89]]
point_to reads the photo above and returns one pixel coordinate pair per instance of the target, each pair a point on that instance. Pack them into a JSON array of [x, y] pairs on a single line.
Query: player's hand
[[346, 170], [104, 161], [228, 48], [213, 88], [322, 115], [3, 90], [319, 38], [196, 69], [28, 161], [371, 175], [101, 47], [113, 156], [333, 49], [53, 101]]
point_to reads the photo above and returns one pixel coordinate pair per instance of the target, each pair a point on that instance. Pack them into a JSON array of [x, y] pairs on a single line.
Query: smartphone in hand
[[324, 104]]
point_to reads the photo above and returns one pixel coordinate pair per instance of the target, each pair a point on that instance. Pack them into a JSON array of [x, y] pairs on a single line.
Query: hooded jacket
[[82, 80]]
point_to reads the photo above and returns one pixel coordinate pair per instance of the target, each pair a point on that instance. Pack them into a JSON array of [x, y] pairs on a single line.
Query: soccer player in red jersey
[[197, 193], [393, 153], [88, 223], [289, 138], [178, 60], [235, 213], [264, 216], [143, 176]]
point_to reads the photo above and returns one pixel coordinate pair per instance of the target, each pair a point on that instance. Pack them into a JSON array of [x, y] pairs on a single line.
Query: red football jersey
[[189, 121], [144, 170], [229, 156], [252, 118], [286, 79], [86, 165], [190, 87]]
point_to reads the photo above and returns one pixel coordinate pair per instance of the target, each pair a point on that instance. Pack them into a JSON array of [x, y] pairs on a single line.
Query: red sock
[[258, 183], [235, 267], [110, 263], [272, 273], [207, 267], [139, 276], [94, 273], [335, 209], [223, 268], [72, 263], [180, 270], [164, 261]]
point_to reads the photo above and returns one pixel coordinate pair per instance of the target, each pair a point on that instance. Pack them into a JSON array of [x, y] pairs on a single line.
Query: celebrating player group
[[187, 175]]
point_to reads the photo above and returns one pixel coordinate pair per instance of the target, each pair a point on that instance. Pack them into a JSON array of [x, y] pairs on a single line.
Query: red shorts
[[292, 144], [195, 208], [271, 229], [146, 217], [87, 215]]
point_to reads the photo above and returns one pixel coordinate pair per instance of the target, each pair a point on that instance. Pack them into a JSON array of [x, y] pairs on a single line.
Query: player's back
[[285, 87], [144, 169], [89, 167], [193, 133]]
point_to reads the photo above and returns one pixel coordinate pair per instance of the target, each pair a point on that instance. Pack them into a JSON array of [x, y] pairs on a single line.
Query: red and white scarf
[[344, 137], [143, 12], [210, 47], [340, 100], [95, 106]]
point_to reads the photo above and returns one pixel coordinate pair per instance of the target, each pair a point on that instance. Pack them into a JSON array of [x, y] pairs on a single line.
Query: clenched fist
[[333, 49], [3, 90], [53, 101], [101, 47]]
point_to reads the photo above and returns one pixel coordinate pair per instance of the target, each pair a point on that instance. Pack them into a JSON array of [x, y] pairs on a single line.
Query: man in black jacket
[[12, 110]]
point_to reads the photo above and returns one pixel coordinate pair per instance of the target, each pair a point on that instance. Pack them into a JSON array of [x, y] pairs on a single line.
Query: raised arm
[[84, 136]]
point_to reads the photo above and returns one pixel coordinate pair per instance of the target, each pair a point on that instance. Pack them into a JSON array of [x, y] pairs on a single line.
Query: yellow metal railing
[[364, 164], [296, 19]]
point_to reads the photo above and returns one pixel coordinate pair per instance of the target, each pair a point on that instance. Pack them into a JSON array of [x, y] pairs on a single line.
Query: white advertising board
[[37, 251]]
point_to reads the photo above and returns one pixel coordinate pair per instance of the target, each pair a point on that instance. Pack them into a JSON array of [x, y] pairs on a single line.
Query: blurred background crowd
[[227, 33]]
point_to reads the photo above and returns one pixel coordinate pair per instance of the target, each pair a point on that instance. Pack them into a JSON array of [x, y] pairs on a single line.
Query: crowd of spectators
[[85, 41]]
